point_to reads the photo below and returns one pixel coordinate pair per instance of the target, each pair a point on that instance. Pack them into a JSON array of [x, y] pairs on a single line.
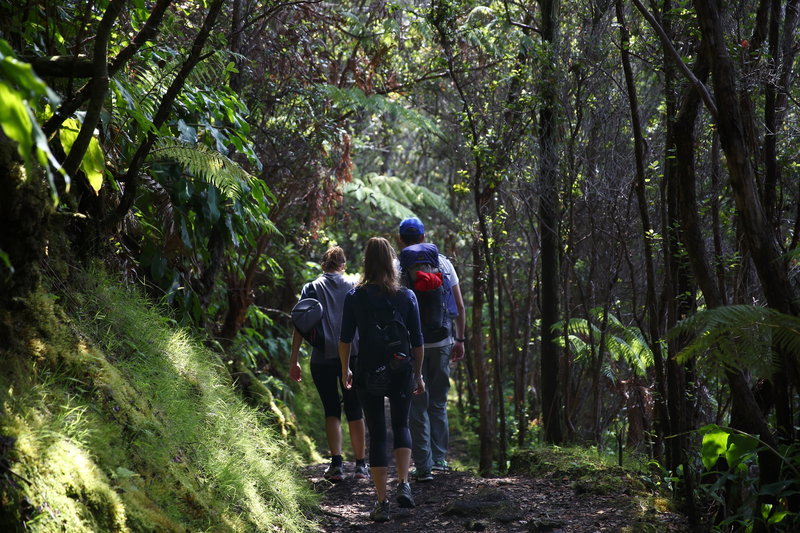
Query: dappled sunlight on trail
[[462, 501]]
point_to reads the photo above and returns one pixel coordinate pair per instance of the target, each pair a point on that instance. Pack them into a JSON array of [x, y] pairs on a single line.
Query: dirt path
[[460, 501]]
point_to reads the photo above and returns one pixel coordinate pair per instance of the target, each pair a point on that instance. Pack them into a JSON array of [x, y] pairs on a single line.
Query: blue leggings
[[327, 377], [375, 418]]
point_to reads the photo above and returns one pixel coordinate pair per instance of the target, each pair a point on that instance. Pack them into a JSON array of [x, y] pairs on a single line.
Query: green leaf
[[777, 517], [715, 442], [68, 133], [93, 162], [740, 448], [6, 260], [15, 121]]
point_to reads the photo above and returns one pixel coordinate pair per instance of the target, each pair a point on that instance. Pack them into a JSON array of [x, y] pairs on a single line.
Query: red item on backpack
[[427, 281]]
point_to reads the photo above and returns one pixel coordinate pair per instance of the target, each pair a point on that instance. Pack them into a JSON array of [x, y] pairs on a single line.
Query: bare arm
[[459, 325], [419, 355], [294, 367], [344, 358]]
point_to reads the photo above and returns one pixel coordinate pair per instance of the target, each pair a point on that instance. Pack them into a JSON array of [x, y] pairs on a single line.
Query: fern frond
[[206, 164], [394, 196], [354, 99], [620, 342], [739, 335], [608, 372]]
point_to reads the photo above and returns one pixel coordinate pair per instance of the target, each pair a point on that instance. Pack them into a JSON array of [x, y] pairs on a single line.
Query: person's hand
[[295, 372], [347, 379], [457, 353], [419, 385]]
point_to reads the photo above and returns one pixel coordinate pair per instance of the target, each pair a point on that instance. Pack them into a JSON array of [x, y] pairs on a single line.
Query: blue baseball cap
[[412, 226]]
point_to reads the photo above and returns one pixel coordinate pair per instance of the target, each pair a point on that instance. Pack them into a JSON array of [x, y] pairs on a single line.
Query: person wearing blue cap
[[444, 343], [330, 289]]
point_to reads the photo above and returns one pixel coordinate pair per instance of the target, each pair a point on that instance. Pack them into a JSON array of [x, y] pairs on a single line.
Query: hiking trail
[[463, 501]]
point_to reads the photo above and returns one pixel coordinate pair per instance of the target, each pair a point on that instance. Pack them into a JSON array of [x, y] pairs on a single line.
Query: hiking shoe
[[361, 472], [440, 465], [404, 498], [333, 473], [380, 513], [420, 475]]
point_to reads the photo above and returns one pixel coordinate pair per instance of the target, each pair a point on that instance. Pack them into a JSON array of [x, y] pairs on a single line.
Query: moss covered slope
[[115, 420]]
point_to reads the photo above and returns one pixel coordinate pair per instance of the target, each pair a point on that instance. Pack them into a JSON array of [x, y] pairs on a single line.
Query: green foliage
[[622, 343], [93, 162], [731, 460], [22, 92], [738, 336], [354, 99], [206, 164], [393, 196]]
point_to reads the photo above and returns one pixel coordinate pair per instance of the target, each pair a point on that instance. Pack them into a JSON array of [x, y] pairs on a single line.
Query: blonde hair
[[333, 259], [379, 266]]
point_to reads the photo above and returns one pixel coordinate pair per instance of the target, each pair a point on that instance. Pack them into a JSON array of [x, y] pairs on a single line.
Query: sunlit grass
[[123, 422]]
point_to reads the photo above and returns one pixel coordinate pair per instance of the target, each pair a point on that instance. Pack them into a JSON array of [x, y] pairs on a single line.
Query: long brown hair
[[379, 266]]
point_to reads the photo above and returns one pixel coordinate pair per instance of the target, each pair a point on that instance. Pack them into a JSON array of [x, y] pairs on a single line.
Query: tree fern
[[740, 336], [206, 164], [622, 343], [356, 100], [394, 196]]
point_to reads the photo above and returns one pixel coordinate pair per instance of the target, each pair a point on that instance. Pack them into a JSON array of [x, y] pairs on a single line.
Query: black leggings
[[375, 418], [327, 377]]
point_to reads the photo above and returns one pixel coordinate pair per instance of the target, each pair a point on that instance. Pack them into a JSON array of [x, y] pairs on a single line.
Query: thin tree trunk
[[99, 88], [485, 417], [549, 218], [651, 301]]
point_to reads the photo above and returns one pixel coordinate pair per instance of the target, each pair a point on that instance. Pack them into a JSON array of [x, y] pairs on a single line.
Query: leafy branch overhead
[[394, 196], [355, 100]]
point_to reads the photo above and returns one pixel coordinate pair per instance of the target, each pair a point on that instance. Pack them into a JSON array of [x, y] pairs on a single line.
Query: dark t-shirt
[[358, 316]]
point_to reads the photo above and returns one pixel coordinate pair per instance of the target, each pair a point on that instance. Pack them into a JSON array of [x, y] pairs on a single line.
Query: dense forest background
[[616, 183]]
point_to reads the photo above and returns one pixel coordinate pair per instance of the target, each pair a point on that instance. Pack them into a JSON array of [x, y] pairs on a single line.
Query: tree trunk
[[485, 411], [549, 217], [25, 213], [651, 304]]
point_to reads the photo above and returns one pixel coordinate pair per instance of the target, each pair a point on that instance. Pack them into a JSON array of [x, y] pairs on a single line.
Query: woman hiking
[[377, 305], [330, 289]]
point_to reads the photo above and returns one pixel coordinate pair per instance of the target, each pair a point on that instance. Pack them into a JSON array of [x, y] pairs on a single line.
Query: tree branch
[[99, 87], [146, 33], [79, 66], [131, 177], [684, 68]]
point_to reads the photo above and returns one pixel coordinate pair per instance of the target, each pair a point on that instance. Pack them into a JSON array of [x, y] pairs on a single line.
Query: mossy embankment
[[114, 419]]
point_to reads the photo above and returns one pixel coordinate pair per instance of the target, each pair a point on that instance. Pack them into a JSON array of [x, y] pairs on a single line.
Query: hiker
[[376, 306], [443, 330], [330, 289]]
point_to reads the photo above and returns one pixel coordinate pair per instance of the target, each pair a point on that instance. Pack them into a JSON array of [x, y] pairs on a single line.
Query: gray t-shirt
[[331, 289]]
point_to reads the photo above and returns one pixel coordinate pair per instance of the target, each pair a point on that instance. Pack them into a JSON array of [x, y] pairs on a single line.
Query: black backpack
[[307, 319], [385, 336]]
